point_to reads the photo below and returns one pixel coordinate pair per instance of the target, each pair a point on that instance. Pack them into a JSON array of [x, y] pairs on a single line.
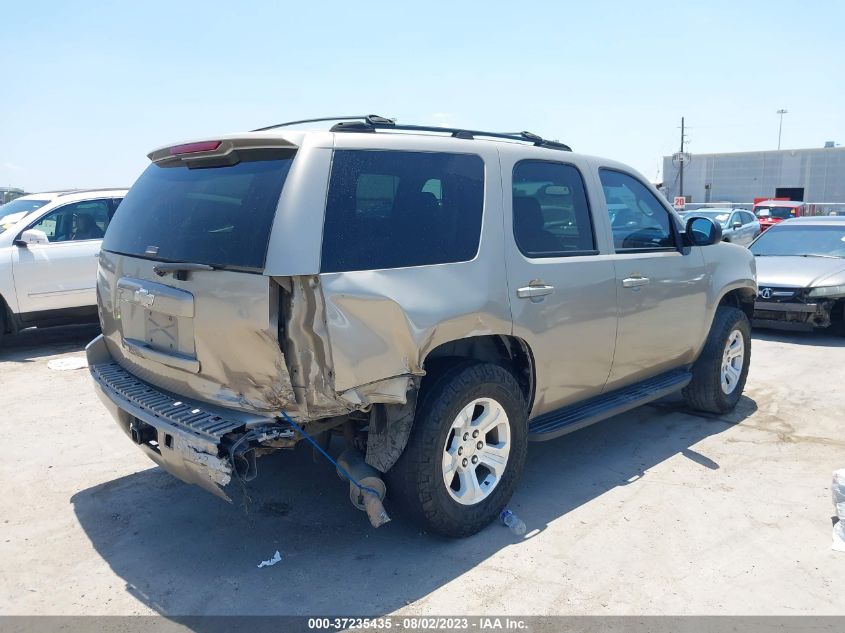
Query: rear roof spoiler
[[217, 151]]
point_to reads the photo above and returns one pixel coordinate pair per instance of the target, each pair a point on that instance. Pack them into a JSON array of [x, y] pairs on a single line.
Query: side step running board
[[576, 416]]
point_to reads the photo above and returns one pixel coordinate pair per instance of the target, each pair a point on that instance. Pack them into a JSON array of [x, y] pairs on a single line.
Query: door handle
[[635, 282], [529, 292]]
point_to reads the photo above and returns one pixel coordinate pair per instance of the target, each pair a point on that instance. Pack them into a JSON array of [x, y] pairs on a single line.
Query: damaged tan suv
[[437, 296]]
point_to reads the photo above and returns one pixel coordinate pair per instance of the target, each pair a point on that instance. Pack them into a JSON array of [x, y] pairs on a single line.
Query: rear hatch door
[[184, 303]]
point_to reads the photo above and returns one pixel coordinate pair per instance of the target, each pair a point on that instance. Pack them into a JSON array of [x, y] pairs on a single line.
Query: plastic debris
[[838, 490], [515, 524], [277, 558], [64, 364]]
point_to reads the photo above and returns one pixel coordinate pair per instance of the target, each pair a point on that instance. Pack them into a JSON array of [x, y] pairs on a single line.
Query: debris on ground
[[838, 490], [277, 558], [65, 364]]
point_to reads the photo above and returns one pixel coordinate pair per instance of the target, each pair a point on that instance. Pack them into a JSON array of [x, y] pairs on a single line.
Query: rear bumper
[[188, 439]]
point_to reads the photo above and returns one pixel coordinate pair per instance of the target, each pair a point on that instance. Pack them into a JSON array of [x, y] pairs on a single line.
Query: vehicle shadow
[[34, 343], [182, 551], [818, 338]]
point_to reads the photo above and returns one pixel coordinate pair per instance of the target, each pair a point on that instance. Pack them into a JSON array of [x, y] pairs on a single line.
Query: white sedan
[[49, 244]]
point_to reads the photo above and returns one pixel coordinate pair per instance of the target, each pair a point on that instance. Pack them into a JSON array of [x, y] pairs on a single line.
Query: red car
[[770, 212]]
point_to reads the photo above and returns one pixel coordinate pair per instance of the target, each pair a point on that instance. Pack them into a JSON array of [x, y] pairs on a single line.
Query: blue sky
[[90, 88]]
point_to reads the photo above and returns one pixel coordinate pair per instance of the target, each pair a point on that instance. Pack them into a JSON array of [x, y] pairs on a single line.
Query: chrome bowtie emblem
[[766, 293]]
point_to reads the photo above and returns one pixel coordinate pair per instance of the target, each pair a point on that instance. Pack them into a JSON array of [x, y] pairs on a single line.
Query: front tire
[[719, 374], [466, 451]]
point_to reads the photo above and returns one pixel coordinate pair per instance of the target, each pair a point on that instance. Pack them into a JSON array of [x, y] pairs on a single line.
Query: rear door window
[[551, 217], [220, 216], [393, 209]]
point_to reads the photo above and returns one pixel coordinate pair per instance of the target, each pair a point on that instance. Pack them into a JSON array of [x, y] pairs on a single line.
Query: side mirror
[[32, 236], [703, 232], [736, 225]]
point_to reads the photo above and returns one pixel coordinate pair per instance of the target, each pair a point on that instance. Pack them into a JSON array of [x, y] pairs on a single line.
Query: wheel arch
[[6, 317], [391, 424], [742, 298], [510, 351]]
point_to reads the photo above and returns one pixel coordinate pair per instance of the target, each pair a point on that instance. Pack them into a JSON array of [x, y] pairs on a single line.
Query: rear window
[[215, 215], [782, 213], [392, 209]]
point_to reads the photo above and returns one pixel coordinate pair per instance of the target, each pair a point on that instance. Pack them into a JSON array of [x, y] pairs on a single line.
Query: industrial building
[[811, 175], [7, 194]]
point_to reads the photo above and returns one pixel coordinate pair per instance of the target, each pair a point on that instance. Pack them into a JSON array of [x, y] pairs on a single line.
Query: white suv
[[49, 243]]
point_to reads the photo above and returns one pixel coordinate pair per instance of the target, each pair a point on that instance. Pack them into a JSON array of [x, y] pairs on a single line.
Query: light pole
[[781, 112]]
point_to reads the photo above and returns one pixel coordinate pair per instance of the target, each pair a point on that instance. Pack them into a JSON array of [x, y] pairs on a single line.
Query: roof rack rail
[[369, 118], [373, 122], [370, 124]]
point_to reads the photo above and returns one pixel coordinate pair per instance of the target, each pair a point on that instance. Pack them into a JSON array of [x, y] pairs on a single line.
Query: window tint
[[389, 209], [76, 221], [213, 215], [748, 217], [551, 216], [638, 219]]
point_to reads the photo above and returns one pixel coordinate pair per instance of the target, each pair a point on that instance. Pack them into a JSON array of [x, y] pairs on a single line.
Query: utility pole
[[681, 155], [781, 112]]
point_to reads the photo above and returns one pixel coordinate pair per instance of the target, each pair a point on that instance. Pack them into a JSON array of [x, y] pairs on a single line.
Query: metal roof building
[[811, 175], [7, 194]]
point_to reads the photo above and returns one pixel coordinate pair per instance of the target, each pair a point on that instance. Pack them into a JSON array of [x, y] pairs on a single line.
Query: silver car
[[437, 297], [738, 225], [801, 273]]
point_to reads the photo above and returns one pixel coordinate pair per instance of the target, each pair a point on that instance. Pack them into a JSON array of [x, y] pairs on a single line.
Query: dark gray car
[[801, 273]]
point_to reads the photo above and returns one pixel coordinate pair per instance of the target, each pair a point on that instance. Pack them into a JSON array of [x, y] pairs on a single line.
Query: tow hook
[[370, 494]]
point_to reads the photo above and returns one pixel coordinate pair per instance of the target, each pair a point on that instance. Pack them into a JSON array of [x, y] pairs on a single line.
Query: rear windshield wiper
[[180, 270], [825, 256]]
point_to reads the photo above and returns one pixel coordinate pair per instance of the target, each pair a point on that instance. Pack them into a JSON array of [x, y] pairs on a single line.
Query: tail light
[[192, 148]]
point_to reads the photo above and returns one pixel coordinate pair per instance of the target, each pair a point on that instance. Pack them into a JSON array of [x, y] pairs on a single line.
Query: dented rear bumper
[[188, 439]]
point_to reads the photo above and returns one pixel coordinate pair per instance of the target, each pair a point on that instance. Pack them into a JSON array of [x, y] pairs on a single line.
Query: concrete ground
[[653, 512]]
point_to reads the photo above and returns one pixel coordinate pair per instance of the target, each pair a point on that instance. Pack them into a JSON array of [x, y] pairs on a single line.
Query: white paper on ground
[[277, 558], [64, 364]]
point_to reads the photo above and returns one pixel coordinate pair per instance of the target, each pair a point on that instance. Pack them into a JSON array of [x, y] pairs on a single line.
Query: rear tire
[[484, 404], [719, 374]]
